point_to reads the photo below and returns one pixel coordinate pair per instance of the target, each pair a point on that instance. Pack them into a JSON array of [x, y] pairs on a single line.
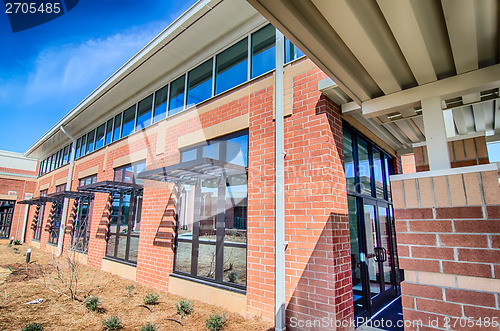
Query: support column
[[435, 134]]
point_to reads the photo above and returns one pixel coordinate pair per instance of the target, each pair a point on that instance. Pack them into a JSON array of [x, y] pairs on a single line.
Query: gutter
[[62, 224], [280, 245]]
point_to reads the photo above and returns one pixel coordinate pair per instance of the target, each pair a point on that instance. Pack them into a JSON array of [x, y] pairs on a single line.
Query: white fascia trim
[[447, 172], [171, 32], [454, 138]]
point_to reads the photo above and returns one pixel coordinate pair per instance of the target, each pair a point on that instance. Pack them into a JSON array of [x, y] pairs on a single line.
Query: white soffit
[[388, 55]]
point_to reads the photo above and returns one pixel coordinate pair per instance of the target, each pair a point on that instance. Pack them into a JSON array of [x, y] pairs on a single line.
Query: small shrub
[[112, 323], [17, 242], [92, 303], [33, 327], [233, 275], [151, 299], [184, 308], [216, 322], [130, 289], [149, 327], [16, 250]]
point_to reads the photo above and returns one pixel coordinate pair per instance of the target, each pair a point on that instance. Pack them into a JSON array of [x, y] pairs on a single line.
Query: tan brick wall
[[448, 229]]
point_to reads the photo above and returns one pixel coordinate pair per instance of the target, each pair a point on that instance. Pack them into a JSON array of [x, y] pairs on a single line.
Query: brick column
[[448, 232]]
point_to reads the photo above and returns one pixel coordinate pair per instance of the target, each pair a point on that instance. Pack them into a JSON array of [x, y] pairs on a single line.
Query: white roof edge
[[178, 25], [16, 155]]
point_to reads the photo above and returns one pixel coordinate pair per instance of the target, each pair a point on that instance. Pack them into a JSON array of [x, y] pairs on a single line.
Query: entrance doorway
[[6, 212], [373, 257], [374, 260]]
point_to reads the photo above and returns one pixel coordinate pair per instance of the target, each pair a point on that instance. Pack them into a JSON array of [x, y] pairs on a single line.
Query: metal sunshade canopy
[[39, 201], [191, 171], [109, 186], [71, 195]]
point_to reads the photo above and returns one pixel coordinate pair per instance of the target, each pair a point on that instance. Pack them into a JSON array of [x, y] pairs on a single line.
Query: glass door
[[381, 269]]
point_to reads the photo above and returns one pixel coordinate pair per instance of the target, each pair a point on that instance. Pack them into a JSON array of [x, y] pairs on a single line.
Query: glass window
[[90, 142], [388, 172], [55, 223], [291, 51], [99, 136], [144, 108], [263, 50], [349, 162], [176, 99], [66, 154], [108, 138], [200, 83], [77, 151], [128, 121], [117, 127], [83, 143], [232, 67], [378, 172], [364, 168], [161, 97], [197, 242], [125, 222]]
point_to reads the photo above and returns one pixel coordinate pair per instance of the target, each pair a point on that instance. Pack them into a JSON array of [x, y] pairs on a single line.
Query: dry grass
[[58, 312]]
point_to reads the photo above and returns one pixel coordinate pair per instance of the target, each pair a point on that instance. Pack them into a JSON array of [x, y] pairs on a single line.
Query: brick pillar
[[448, 230]]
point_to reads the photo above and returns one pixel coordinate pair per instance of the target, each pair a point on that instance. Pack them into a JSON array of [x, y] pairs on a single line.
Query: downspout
[[62, 224], [280, 320], [25, 222]]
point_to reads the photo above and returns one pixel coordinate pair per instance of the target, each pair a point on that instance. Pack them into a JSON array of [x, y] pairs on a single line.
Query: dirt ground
[[21, 283]]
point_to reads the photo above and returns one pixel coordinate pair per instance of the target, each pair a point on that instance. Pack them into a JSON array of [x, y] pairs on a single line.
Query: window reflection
[[200, 83], [232, 67], [263, 50], [176, 103]]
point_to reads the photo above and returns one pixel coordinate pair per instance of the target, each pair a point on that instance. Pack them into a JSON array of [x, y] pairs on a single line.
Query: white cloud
[[73, 68]]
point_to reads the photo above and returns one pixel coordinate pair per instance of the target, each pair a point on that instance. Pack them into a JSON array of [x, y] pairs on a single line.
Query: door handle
[[380, 254]]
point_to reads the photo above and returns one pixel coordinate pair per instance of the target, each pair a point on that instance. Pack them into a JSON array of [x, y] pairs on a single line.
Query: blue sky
[[47, 70]]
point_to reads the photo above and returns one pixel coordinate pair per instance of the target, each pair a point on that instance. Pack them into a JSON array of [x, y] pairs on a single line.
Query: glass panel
[[377, 170], [211, 151], [291, 51], [185, 213], [144, 112], [77, 152], [82, 146], [232, 67], [237, 150], [176, 100], [160, 104], [387, 174], [183, 257], [90, 142], [200, 83], [113, 227], [371, 242], [125, 214], [235, 265], [109, 132], [122, 247], [349, 162], [66, 154], [263, 50], [209, 194], [188, 155], [384, 247], [356, 258], [206, 261], [236, 209], [364, 168], [128, 121], [136, 222], [117, 127], [110, 249], [133, 249], [99, 136]]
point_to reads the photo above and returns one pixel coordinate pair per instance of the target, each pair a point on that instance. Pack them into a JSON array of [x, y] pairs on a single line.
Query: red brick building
[[200, 169]]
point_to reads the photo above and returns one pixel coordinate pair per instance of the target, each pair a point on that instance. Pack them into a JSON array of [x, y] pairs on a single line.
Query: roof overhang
[[201, 31], [388, 55]]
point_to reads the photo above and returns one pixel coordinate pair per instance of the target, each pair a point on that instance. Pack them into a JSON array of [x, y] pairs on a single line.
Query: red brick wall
[[21, 186]]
